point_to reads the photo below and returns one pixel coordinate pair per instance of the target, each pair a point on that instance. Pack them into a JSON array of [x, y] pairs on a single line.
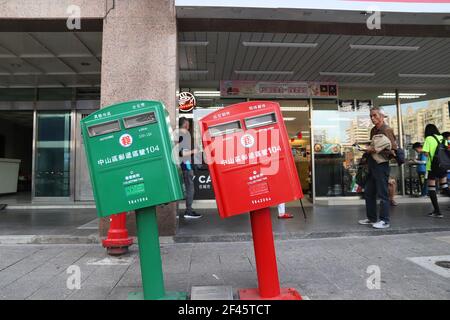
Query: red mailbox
[[249, 157], [252, 168]]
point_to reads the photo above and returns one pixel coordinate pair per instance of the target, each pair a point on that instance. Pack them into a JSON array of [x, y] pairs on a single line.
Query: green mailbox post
[[129, 155]]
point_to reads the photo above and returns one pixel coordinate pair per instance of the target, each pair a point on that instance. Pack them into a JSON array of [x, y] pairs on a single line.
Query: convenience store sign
[[255, 89]]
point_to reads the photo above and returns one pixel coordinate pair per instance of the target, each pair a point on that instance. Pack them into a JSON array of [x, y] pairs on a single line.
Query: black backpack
[[400, 156], [440, 161]]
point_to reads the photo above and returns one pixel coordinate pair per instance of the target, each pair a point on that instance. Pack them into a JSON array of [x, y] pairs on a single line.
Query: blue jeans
[[377, 186]]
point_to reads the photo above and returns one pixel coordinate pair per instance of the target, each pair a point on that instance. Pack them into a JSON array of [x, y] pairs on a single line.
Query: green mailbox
[[128, 149], [129, 155]]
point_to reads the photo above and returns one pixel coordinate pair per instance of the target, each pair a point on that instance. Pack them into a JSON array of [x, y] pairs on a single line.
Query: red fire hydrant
[[117, 241]]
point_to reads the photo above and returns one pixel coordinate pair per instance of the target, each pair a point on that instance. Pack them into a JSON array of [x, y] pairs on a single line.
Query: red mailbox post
[[252, 168]]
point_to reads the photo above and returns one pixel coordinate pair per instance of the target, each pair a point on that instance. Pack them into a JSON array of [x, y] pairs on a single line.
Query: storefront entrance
[[16, 136]]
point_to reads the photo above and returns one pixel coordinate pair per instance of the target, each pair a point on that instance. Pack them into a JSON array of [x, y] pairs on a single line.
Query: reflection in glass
[[52, 170], [415, 116], [296, 116], [337, 131]]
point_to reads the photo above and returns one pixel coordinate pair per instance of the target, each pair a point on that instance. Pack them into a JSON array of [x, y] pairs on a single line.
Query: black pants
[[377, 186], [188, 177]]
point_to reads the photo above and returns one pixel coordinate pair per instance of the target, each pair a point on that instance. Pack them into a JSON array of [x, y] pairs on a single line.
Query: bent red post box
[[249, 157]]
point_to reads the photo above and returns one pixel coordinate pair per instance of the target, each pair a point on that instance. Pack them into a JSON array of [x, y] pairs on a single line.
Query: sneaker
[[285, 216], [436, 215], [394, 203], [365, 222], [192, 215], [381, 225]]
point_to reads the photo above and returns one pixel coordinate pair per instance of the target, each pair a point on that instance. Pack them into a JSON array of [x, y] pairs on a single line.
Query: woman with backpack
[[432, 140]]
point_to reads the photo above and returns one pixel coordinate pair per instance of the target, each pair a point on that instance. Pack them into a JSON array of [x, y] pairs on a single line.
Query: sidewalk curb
[[243, 237], [237, 237], [48, 239], [63, 239]]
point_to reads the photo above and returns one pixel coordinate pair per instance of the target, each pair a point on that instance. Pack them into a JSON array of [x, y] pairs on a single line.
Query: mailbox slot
[[104, 128], [139, 120], [260, 121], [225, 128]]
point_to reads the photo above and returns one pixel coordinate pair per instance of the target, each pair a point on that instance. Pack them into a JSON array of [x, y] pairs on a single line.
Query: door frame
[[76, 147]]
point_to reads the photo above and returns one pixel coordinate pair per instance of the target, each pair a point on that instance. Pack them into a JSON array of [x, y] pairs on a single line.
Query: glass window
[[331, 130], [52, 169], [338, 131], [415, 116], [395, 174], [296, 116]]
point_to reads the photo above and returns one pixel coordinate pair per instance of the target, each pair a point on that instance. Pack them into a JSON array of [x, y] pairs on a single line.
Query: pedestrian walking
[[432, 139], [381, 150], [186, 155], [282, 214], [421, 169]]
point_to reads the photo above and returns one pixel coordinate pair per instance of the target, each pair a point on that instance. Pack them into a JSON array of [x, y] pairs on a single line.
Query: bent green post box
[[129, 155]]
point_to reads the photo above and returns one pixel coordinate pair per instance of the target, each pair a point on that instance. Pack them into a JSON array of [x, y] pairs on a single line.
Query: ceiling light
[[404, 94], [194, 71], [405, 97], [249, 72], [279, 44], [207, 93], [294, 108], [193, 43], [348, 74], [418, 75], [391, 95], [380, 47], [289, 118]]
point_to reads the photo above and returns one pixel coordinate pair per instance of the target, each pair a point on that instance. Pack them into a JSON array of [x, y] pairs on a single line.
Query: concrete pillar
[[139, 61]]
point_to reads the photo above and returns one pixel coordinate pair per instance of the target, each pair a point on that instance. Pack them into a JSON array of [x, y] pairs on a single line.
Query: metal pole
[[400, 136], [266, 262], [311, 150], [149, 253]]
